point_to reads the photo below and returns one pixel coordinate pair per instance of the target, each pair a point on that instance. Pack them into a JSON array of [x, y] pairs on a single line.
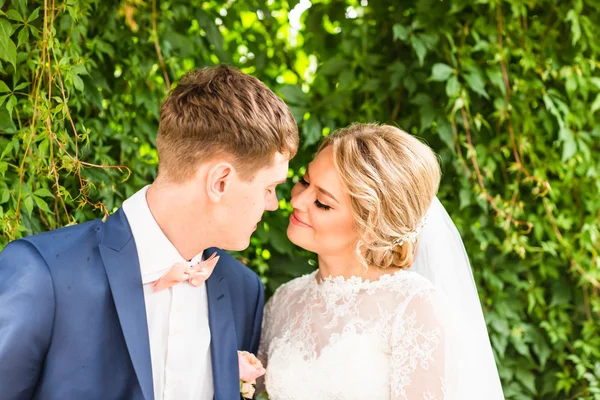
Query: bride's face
[[322, 220]]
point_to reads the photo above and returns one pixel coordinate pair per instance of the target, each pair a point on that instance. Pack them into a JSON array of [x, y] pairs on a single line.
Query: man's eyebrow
[[279, 182]]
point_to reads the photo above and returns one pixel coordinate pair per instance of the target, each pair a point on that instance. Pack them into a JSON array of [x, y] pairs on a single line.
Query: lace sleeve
[[418, 350], [264, 337]]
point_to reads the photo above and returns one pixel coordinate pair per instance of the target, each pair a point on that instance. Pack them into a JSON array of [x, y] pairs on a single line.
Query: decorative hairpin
[[412, 235]]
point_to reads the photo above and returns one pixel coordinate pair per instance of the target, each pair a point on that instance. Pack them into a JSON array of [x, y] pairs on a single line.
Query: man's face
[[242, 207]]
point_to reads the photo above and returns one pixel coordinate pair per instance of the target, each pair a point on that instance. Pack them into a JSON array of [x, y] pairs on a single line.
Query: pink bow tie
[[181, 272]]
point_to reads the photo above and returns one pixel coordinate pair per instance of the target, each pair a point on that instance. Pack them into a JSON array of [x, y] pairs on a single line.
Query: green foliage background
[[507, 92]]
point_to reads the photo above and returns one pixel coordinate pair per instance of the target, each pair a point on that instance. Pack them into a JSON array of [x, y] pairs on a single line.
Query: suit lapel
[[223, 338], [120, 258]]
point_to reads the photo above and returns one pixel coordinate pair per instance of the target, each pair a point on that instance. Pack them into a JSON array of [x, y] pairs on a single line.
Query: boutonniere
[[250, 369]]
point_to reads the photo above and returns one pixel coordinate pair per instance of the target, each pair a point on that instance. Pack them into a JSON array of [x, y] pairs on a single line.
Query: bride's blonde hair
[[392, 178]]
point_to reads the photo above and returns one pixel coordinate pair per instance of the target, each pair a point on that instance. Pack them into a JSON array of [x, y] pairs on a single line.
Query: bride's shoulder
[[407, 279], [410, 282]]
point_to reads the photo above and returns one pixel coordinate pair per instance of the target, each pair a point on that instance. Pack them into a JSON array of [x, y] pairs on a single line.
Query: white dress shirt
[[178, 325]]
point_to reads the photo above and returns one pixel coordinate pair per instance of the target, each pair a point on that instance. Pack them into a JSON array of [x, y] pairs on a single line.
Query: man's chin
[[240, 245]]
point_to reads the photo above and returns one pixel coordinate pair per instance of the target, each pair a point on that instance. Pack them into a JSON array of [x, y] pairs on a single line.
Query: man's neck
[[178, 217]]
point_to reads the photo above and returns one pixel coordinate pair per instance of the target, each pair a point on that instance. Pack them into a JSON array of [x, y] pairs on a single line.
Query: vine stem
[[157, 46], [507, 94], [37, 81], [490, 199], [574, 264], [46, 68]]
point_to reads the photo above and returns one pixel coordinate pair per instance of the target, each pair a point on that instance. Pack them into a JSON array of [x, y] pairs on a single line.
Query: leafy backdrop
[[506, 92]]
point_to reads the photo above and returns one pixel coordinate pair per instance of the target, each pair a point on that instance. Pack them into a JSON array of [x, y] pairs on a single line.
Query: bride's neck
[[348, 265]]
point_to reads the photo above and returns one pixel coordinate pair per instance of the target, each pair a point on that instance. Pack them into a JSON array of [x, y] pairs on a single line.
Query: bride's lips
[[296, 221]]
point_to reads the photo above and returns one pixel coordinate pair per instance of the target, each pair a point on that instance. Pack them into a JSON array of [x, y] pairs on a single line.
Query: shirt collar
[[155, 252]]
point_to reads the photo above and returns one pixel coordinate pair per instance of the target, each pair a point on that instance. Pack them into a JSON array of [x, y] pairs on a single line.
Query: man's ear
[[219, 180]]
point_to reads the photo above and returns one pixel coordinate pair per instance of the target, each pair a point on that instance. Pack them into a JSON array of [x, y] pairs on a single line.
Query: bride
[[392, 312]]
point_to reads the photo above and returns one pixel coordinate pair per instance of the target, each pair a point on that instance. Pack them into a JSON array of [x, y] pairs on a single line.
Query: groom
[[86, 312]]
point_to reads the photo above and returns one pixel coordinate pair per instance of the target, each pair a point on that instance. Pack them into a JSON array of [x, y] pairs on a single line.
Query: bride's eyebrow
[[320, 189]]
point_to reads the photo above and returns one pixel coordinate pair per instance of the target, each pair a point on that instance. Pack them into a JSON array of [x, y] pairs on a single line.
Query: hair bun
[[403, 255], [398, 256]]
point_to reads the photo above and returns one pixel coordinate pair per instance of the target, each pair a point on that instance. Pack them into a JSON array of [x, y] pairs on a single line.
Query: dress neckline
[[354, 283]]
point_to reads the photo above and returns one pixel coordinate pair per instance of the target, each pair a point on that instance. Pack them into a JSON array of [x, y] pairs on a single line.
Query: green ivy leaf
[[495, 78], [293, 94], [420, 48], [14, 15], [280, 242], [43, 192], [372, 85], [311, 131], [476, 83], [452, 87], [298, 112], [78, 83], [21, 86], [400, 32], [3, 98], [43, 147], [445, 132], [8, 50], [540, 347], [569, 144], [42, 204], [23, 36], [465, 198], [595, 105], [10, 104], [441, 72], [28, 205], [347, 79], [212, 30], [571, 84], [520, 346], [334, 66], [4, 195], [575, 26], [398, 70], [595, 81], [34, 15], [528, 380]]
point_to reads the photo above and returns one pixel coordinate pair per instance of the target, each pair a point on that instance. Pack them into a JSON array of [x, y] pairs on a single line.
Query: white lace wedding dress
[[355, 339]]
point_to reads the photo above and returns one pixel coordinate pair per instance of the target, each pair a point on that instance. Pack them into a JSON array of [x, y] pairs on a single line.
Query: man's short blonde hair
[[222, 111]]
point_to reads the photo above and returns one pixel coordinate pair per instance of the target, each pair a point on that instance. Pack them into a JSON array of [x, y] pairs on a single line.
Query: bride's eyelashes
[[303, 182], [320, 205]]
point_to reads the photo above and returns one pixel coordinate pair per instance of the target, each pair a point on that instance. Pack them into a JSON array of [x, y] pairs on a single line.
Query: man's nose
[[272, 203]]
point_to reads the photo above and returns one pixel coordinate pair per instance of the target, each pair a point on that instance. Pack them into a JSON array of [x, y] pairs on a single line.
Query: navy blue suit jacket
[[73, 317]]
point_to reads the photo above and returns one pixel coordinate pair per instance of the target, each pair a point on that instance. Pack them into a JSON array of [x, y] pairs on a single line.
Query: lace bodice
[[355, 339]]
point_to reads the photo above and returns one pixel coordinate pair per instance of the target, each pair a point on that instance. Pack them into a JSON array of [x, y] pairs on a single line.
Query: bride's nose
[[300, 195]]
